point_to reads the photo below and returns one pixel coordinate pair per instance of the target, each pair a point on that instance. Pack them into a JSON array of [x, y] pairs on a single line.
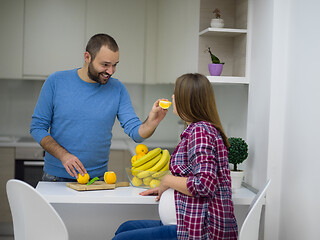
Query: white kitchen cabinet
[[177, 40], [6, 173], [54, 36], [125, 21], [11, 39], [230, 44]]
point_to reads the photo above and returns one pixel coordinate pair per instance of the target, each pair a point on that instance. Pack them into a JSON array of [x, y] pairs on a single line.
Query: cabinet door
[[11, 38], [6, 173], [119, 160], [177, 39], [125, 21], [54, 36]]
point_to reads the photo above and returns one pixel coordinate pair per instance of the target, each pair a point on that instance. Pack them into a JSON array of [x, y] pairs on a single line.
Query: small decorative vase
[[217, 23], [236, 179], [215, 69]]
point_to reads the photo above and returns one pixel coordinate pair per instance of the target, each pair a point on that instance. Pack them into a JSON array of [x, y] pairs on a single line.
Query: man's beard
[[96, 76]]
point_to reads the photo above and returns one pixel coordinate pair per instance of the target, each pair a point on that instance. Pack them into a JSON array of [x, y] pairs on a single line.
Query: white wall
[[259, 92], [292, 135], [299, 215]]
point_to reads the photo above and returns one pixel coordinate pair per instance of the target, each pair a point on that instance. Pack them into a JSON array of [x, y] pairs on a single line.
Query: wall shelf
[[228, 80], [222, 32]]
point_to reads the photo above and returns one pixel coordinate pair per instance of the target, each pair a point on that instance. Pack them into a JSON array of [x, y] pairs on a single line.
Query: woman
[[200, 173]]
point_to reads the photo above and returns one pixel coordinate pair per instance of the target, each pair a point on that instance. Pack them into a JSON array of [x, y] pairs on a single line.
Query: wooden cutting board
[[97, 185]]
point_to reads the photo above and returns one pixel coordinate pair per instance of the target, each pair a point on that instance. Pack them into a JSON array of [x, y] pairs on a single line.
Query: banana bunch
[[150, 168]]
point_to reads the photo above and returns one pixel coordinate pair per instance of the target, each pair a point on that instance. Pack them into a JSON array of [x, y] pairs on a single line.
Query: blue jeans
[[146, 230]]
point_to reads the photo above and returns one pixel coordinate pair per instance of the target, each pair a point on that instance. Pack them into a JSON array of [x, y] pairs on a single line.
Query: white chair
[[250, 226], [33, 216]]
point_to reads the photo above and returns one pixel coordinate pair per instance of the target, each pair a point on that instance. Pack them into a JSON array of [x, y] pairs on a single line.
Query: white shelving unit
[[228, 80], [229, 43], [224, 32]]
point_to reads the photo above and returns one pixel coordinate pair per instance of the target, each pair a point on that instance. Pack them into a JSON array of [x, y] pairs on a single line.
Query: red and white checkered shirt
[[202, 157]]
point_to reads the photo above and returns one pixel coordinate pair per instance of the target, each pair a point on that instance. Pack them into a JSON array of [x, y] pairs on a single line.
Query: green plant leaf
[[214, 58], [238, 151]]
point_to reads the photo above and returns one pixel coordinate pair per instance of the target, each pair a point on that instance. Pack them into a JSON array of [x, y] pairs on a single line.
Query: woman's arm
[[169, 181]]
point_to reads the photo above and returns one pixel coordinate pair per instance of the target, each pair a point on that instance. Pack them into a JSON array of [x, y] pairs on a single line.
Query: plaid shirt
[[202, 157]]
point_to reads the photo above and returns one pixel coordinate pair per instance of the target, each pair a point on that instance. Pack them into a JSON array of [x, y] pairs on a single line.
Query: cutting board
[[97, 185]]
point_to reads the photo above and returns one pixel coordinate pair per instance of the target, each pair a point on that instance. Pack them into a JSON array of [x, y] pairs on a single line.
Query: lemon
[[154, 183], [147, 180], [164, 104], [136, 181], [110, 177], [140, 155], [134, 158], [141, 148], [83, 179]]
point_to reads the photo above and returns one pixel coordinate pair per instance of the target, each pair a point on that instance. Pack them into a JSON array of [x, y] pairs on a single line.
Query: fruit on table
[[141, 148], [150, 155], [136, 181], [157, 167], [165, 104], [153, 166], [110, 177], [147, 180], [154, 183], [133, 159], [147, 165], [140, 155], [162, 171], [83, 179]]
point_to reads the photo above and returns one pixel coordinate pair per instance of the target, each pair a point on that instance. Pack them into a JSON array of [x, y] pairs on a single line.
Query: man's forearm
[[54, 148], [147, 128]]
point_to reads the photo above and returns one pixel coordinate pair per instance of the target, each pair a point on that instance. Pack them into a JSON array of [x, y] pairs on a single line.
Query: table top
[[58, 192]]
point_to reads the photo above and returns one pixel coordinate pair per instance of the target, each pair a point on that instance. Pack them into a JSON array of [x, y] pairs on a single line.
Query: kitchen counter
[[58, 192], [97, 214], [6, 141]]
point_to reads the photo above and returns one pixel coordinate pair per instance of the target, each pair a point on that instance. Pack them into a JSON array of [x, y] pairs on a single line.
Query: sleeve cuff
[[39, 135], [190, 185], [136, 136]]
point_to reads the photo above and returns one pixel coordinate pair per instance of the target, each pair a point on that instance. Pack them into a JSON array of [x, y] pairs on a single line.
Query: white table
[[97, 214]]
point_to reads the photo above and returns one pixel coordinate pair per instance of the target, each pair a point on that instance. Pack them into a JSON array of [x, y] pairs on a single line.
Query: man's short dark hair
[[99, 40]]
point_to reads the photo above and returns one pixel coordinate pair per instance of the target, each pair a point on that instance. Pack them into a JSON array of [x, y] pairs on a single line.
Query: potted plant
[[215, 68], [238, 152], [217, 22]]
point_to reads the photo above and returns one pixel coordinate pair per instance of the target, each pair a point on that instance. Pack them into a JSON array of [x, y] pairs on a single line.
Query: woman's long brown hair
[[195, 101]]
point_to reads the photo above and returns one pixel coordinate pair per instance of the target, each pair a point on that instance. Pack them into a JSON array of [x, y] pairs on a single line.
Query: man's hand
[[156, 115], [71, 163]]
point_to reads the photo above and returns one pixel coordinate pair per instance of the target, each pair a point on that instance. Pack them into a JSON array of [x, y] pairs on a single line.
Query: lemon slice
[[164, 104]]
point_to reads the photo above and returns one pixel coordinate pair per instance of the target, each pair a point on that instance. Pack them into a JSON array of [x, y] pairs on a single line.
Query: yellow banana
[[162, 171], [162, 162], [150, 155], [147, 165], [159, 165]]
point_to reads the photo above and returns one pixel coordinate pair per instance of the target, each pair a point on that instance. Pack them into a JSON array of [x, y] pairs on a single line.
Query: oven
[[29, 164]]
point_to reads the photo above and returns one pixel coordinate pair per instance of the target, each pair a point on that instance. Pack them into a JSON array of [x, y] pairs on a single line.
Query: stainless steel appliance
[[29, 162]]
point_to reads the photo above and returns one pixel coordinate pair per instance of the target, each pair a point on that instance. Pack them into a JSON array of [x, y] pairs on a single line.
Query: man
[[79, 108]]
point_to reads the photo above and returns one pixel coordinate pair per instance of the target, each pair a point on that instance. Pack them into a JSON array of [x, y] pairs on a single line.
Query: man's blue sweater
[[80, 117]]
